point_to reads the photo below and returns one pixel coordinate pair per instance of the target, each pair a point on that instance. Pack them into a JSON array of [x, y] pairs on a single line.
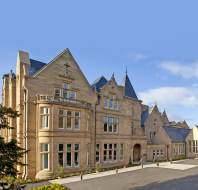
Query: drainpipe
[[25, 133]]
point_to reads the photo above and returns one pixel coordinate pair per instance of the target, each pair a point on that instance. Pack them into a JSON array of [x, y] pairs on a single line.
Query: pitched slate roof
[[128, 88], [144, 116], [176, 134], [99, 83], [35, 66]]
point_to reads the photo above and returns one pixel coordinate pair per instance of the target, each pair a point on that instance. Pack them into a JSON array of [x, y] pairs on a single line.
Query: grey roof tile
[[128, 88], [176, 134], [35, 66], [99, 83]]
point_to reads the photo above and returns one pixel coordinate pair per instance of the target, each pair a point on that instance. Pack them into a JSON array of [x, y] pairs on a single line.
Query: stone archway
[[136, 153]]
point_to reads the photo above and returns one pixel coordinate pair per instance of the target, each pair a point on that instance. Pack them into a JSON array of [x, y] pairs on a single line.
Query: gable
[[62, 69]]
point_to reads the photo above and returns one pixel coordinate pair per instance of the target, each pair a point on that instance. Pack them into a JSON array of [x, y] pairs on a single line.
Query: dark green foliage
[[10, 152]]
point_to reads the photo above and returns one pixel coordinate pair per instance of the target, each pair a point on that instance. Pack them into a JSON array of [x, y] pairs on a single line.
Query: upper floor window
[[111, 103], [66, 93], [69, 119], [111, 124], [44, 117]]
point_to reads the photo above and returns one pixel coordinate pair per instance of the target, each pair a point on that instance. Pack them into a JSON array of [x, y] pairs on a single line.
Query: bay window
[[76, 154], [97, 153], [60, 155], [69, 119], [44, 117], [44, 156], [68, 156]]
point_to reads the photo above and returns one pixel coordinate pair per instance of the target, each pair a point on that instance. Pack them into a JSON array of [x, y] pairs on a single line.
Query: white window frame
[[42, 153], [44, 114]]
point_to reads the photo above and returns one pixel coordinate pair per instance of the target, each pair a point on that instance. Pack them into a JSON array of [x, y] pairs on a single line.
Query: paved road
[[145, 179]]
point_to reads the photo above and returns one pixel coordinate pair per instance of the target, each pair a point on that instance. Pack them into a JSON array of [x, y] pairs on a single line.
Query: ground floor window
[[97, 153], [157, 153], [44, 156], [193, 146], [112, 152], [60, 155], [68, 155]]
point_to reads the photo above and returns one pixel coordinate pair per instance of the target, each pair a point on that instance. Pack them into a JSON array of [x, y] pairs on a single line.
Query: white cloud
[[176, 68], [171, 96], [137, 57]]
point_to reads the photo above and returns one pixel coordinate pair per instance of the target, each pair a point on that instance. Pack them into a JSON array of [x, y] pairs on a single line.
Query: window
[[69, 119], [110, 152], [57, 92], [66, 86], [61, 119], [77, 120], [44, 156], [68, 156], [110, 124], [97, 152], [69, 95], [111, 103], [115, 152], [44, 117], [76, 154], [161, 152], [121, 151], [60, 154]]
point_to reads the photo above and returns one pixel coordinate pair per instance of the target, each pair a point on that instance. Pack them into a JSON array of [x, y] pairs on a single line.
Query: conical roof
[[128, 88]]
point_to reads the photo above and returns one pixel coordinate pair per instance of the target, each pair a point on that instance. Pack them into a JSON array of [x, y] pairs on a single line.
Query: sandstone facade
[[66, 122]]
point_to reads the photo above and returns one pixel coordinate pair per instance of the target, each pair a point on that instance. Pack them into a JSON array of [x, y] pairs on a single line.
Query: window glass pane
[[60, 147], [60, 125], [45, 161], [60, 159], [57, 92], [76, 147], [44, 147], [68, 161], [68, 147], [76, 158]]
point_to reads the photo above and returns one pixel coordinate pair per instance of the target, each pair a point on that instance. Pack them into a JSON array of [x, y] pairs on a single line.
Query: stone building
[[67, 122]]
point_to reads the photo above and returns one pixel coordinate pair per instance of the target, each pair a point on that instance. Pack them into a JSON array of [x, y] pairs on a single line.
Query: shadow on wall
[[185, 183]]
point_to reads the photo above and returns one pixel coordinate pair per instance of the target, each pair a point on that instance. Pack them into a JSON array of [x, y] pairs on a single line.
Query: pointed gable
[[154, 109], [165, 118], [128, 88], [99, 83]]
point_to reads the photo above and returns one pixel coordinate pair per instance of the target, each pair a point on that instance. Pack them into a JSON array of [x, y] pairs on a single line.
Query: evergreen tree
[[10, 152]]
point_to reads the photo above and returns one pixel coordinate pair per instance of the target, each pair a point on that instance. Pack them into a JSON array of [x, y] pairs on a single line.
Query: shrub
[[98, 167], [60, 172], [50, 187]]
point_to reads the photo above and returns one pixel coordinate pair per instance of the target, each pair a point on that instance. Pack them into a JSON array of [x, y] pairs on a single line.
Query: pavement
[[181, 175]]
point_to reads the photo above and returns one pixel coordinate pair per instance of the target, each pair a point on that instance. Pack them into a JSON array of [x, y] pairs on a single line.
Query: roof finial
[[126, 70], [113, 76]]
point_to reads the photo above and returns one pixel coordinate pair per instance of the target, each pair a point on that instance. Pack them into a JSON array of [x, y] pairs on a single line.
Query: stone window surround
[[73, 119], [72, 151]]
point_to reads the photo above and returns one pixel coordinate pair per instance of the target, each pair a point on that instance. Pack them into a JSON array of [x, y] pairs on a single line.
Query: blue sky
[[156, 40]]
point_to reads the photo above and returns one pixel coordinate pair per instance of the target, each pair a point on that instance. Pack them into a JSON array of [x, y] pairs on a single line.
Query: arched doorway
[[136, 153]]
